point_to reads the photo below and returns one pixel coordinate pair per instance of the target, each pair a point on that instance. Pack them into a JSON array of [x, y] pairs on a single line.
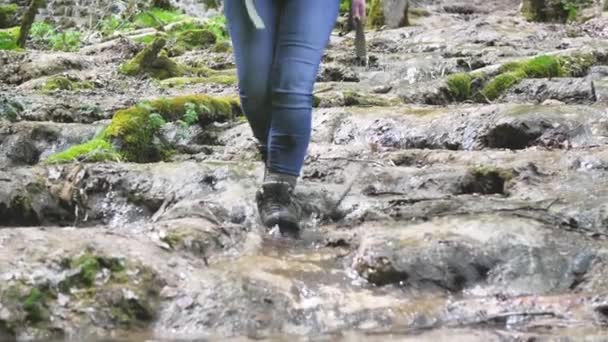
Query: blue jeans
[[277, 68]]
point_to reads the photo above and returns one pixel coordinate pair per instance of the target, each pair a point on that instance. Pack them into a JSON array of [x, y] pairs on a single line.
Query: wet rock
[[601, 90], [98, 289], [597, 73], [566, 90], [202, 238], [509, 260], [525, 126], [430, 93], [25, 200], [334, 73], [26, 143], [10, 110]]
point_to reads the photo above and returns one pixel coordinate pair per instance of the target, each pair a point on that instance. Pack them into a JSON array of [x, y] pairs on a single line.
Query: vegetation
[[29, 305], [8, 39], [375, 14], [95, 150], [133, 134], [158, 17], [153, 60], [64, 83], [460, 86]]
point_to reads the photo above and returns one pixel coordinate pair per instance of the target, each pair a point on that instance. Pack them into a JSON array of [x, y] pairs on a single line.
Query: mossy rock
[[133, 133], [153, 60], [223, 46], [475, 85], [197, 38], [120, 293], [8, 15], [65, 83], [578, 65]]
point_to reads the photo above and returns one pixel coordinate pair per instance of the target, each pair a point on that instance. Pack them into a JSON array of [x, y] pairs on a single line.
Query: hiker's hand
[[358, 8]]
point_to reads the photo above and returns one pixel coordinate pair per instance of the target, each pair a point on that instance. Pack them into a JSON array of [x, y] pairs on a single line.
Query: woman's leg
[[303, 33], [254, 52]]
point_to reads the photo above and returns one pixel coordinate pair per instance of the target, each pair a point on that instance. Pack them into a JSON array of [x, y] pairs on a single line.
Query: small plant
[[156, 121], [191, 114], [217, 25], [8, 39], [157, 17], [460, 86], [41, 32], [69, 40], [570, 8], [47, 36], [110, 25]]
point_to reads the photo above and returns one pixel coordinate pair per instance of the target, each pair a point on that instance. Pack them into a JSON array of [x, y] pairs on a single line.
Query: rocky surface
[[429, 218]]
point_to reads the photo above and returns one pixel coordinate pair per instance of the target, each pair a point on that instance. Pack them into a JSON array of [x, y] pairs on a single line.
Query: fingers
[[359, 9]]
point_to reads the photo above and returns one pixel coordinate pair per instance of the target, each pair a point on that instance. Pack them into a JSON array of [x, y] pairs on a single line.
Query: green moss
[[8, 39], [197, 38], [133, 129], [542, 66], [486, 170], [146, 40], [64, 83], [35, 306], [89, 268], [192, 35], [513, 72], [217, 25], [132, 132], [223, 46], [96, 150], [153, 60], [501, 83], [460, 86]]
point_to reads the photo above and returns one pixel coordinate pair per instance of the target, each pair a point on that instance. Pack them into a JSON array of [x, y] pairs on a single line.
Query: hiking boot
[[278, 206]]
